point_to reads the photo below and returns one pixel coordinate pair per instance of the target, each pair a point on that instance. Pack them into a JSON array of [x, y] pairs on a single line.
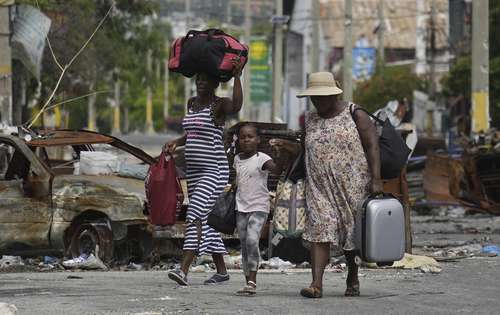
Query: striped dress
[[207, 174]]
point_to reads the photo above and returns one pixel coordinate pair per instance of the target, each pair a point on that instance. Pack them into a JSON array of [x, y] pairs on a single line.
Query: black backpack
[[393, 149]]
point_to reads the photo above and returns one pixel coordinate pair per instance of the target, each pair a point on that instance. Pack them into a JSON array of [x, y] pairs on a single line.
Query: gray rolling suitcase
[[380, 230]]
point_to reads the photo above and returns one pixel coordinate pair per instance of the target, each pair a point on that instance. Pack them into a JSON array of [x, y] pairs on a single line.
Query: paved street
[[467, 286]]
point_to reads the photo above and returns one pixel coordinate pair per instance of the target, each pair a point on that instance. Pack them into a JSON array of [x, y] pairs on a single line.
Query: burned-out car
[[48, 205]]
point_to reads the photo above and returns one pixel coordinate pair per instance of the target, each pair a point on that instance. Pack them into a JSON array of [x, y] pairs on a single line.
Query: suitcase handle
[[374, 196], [381, 196]]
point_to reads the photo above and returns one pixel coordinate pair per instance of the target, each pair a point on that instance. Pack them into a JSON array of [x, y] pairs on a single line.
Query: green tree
[[392, 83], [458, 81], [118, 51]]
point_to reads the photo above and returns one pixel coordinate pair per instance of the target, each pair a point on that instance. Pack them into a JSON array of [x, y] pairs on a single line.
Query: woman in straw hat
[[343, 168]]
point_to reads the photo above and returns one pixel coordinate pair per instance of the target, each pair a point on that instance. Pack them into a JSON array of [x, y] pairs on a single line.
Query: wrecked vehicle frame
[[46, 208]]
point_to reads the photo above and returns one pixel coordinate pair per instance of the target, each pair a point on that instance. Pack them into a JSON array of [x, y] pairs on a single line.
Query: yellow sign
[[480, 111], [259, 50], [5, 70]]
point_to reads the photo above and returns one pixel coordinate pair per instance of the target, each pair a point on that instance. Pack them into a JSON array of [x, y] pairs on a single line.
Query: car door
[[25, 210]]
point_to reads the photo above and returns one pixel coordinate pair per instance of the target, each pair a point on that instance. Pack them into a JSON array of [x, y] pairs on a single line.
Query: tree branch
[[77, 98], [66, 67], [50, 45]]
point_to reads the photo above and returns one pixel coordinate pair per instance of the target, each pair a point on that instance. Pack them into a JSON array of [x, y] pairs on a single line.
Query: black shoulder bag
[[393, 149]]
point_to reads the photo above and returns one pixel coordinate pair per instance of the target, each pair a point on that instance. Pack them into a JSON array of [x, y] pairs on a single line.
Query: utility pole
[[315, 16], [277, 65], [420, 46], [347, 70], [149, 96], [187, 81], [229, 12], [480, 66], [380, 33], [5, 67], [126, 123], [116, 108], [432, 85], [91, 123], [166, 77], [247, 109]]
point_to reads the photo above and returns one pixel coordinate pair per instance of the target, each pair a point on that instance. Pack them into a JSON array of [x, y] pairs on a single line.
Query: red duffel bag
[[209, 51], [163, 191]]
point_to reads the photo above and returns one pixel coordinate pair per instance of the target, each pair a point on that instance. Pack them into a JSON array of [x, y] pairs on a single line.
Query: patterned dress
[[207, 174], [338, 179]]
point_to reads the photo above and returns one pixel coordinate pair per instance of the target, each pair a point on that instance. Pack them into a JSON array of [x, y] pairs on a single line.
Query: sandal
[[217, 278], [249, 289], [352, 289], [312, 292], [178, 276]]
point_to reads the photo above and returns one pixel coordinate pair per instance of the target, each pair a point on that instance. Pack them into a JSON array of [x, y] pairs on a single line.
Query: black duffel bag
[[393, 149], [209, 51]]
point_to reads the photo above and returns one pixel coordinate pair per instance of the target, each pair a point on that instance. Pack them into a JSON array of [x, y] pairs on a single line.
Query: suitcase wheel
[[358, 260], [385, 263]]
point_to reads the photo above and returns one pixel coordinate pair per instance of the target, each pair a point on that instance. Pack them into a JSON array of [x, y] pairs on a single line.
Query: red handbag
[[163, 191]]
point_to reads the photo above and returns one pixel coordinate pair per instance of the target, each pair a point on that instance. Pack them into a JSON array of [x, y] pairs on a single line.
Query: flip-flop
[[178, 276], [248, 290], [352, 289], [312, 293], [217, 278]]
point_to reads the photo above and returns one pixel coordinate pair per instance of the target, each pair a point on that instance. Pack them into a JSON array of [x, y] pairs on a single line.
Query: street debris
[[423, 263], [233, 262], [138, 171], [276, 263], [10, 261], [491, 250], [133, 267], [85, 261], [459, 252], [80, 211], [7, 309]]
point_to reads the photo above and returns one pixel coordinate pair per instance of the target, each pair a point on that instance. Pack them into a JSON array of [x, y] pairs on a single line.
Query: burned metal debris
[[48, 207], [471, 179]]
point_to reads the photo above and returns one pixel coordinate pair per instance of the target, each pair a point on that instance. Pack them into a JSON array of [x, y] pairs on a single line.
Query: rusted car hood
[[121, 199]]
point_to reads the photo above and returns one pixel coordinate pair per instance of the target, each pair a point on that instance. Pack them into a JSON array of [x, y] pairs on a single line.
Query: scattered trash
[[85, 262], [491, 250], [50, 260], [7, 309], [46, 267], [423, 263], [460, 251], [138, 171], [233, 262], [430, 269], [456, 212], [341, 267], [204, 259], [98, 163], [134, 267], [276, 263], [304, 265], [10, 261], [201, 268]]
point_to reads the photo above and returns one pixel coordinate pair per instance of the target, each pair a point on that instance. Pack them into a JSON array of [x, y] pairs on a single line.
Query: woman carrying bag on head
[[343, 168], [207, 170]]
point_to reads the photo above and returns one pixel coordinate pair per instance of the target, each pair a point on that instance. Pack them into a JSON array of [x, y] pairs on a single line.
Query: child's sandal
[[312, 293], [249, 289]]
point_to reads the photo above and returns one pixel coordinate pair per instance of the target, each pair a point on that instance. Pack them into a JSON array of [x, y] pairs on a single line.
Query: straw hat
[[320, 84]]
